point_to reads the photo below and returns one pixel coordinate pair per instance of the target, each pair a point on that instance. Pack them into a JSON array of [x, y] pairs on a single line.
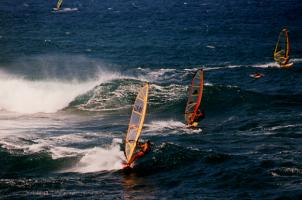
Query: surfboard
[[194, 97], [282, 49], [136, 121]]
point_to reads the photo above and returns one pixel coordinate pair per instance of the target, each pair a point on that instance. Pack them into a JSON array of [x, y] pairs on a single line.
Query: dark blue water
[[68, 80]]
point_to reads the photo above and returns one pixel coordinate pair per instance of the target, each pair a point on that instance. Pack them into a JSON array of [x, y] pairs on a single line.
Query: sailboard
[[136, 121], [194, 97], [282, 49]]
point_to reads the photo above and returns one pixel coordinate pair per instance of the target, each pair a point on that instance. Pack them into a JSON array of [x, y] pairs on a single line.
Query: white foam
[[192, 69], [214, 68], [208, 84], [102, 99], [100, 159], [64, 10], [28, 146], [266, 65], [296, 59], [168, 127], [67, 139], [258, 65], [274, 64], [170, 89], [10, 145], [210, 46], [282, 127], [232, 86], [170, 93], [287, 171], [159, 74], [93, 159], [26, 96], [293, 170]]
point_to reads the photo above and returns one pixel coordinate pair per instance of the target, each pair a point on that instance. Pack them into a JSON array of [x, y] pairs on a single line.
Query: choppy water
[[68, 81]]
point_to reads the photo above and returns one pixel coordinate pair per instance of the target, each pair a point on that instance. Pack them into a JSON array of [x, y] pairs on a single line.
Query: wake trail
[[167, 127]]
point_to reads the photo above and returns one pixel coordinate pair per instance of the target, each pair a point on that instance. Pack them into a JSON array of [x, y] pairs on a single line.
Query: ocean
[[68, 80]]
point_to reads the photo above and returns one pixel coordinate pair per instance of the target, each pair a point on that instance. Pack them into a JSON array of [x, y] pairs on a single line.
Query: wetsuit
[[144, 149], [198, 117]]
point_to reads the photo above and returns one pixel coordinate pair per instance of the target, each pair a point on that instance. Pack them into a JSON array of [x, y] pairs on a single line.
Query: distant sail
[[194, 97], [282, 49], [136, 121], [59, 4]]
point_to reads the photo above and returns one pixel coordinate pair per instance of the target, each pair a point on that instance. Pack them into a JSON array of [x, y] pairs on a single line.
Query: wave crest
[[21, 95]]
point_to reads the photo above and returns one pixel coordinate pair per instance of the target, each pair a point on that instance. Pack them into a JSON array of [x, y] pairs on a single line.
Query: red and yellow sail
[[282, 49], [194, 97]]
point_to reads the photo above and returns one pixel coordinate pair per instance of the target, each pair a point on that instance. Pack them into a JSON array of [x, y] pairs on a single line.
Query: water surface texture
[[68, 80]]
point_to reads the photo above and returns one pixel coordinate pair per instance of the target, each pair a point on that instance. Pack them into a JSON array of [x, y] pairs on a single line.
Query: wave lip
[[92, 159], [47, 96], [100, 159]]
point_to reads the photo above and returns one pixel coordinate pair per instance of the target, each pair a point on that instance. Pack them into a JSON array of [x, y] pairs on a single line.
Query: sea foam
[[21, 95]]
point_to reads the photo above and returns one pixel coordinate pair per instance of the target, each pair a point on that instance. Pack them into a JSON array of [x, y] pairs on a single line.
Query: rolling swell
[[68, 81], [237, 146], [106, 90], [48, 83], [118, 95], [18, 164]]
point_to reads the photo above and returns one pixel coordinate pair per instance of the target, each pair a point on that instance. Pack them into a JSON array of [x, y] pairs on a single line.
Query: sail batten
[[136, 121]]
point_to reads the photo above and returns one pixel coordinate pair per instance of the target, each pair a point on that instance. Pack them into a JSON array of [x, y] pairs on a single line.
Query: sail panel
[[136, 121], [282, 49], [194, 96], [59, 4]]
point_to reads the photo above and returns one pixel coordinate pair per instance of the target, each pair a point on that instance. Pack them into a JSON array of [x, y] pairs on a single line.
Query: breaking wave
[[27, 96]]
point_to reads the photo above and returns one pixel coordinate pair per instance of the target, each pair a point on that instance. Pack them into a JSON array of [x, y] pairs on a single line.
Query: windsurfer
[[198, 117], [282, 50], [281, 59], [144, 149]]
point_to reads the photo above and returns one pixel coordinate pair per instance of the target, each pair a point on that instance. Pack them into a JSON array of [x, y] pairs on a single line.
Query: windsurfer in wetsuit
[[198, 117], [144, 149]]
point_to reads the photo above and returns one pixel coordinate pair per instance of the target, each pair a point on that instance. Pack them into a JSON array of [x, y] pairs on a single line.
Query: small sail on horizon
[[59, 4], [282, 49]]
